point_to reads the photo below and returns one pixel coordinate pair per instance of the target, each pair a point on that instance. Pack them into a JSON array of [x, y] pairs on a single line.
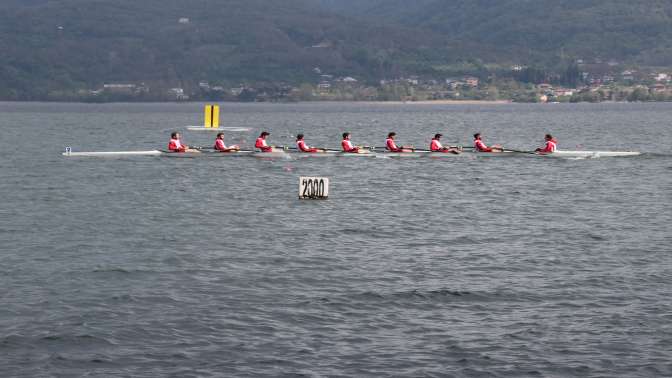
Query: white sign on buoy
[[313, 188]]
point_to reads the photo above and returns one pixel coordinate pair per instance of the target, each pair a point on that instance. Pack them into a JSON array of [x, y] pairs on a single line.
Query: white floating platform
[[219, 129]]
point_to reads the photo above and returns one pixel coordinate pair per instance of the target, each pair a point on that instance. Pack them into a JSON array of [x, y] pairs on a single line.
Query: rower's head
[[299, 137], [548, 137], [391, 135], [220, 135], [438, 136], [264, 134], [175, 135], [346, 135], [477, 136]]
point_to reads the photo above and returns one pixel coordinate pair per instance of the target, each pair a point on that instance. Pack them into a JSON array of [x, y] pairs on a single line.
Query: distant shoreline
[[351, 102], [367, 102], [434, 102]]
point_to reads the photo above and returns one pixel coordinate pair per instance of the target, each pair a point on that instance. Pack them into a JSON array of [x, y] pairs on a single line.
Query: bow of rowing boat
[[113, 153]]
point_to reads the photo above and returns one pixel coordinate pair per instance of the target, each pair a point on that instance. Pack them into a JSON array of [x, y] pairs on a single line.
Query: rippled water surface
[[464, 267]]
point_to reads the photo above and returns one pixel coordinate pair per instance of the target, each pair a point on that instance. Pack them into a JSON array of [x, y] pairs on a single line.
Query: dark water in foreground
[[467, 267]]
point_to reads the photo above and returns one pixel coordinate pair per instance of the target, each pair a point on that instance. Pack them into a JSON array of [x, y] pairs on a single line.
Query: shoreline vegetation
[[351, 102], [652, 87], [335, 50]]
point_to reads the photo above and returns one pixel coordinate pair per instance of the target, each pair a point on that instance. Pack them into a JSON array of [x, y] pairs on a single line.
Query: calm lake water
[[456, 267]]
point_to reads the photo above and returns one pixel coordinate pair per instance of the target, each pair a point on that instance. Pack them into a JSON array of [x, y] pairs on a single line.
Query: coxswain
[[550, 146], [175, 144], [391, 146], [261, 142], [347, 146], [221, 147], [482, 147], [436, 146], [302, 147]]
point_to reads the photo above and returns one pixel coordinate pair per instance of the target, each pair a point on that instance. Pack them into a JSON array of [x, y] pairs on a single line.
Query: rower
[[550, 146], [221, 147], [261, 142], [302, 147], [175, 144], [482, 147], [347, 146], [391, 146], [436, 146]]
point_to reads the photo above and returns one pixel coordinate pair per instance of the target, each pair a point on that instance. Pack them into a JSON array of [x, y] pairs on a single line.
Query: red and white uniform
[[301, 145], [480, 146], [391, 146], [550, 147], [436, 146], [220, 146], [176, 146], [347, 146], [261, 144]]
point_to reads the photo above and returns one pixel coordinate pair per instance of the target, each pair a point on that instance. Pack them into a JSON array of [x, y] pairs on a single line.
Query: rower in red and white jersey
[[347, 145], [261, 142], [391, 146], [482, 147], [175, 144], [303, 147], [550, 146], [436, 146], [221, 146]]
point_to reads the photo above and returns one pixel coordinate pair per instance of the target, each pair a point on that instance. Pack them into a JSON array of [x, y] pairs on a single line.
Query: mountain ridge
[[53, 46]]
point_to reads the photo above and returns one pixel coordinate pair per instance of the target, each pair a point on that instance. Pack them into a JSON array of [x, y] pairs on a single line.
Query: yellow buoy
[[211, 116], [208, 116]]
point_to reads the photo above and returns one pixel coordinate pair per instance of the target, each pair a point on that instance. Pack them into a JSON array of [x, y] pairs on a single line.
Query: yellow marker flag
[[208, 116], [215, 116]]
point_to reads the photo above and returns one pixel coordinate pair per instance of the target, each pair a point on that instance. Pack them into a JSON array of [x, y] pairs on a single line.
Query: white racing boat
[[69, 153], [332, 153]]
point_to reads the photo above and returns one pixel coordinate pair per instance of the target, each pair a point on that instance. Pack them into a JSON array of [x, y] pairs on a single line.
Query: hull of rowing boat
[[205, 154], [270, 155], [113, 153], [285, 155], [314, 154], [441, 155], [500, 154], [415, 154], [590, 154], [331, 154]]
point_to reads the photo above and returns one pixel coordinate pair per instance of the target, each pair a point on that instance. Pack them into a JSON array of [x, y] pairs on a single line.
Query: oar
[[518, 151], [386, 150], [296, 149]]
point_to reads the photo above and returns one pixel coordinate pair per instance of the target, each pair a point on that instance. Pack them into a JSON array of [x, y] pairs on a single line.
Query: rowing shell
[[287, 154]]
